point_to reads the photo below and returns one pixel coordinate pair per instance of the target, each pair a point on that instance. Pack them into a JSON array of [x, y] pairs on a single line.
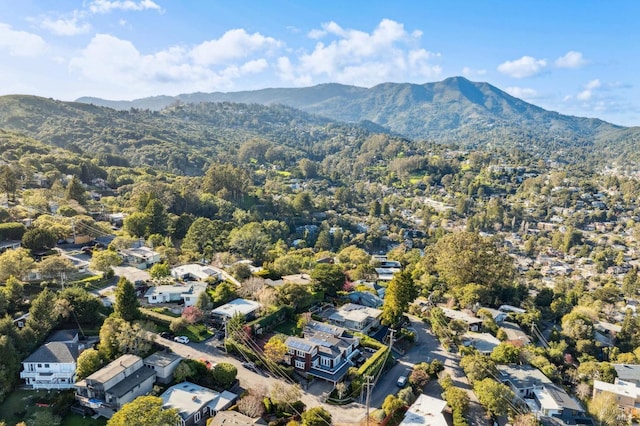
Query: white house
[[356, 317], [195, 403], [425, 411], [51, 366], [175, 293], [193, 271], [237, 306], [140, 257]]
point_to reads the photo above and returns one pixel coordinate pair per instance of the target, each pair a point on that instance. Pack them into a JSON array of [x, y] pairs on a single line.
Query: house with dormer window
[[325, 351]]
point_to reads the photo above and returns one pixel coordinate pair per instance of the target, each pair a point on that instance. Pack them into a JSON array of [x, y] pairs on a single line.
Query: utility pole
[[369, 385]]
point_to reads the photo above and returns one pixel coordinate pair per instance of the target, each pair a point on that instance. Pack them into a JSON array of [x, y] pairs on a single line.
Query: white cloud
[[118, 64], [234, 44], [356, 57], [521, 92], [571, 59], [589, 89], [470, 72], [65, 27], [526, 66], [21, 43], [106, 6]]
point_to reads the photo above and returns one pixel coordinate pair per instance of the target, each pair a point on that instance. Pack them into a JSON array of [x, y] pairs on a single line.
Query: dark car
[[166, 335]]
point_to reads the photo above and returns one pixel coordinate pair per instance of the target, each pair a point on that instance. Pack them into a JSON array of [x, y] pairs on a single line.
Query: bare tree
[[251, 405]]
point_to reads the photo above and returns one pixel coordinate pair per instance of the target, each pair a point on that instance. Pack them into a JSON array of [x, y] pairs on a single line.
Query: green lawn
[[20, 405], [289, 328]]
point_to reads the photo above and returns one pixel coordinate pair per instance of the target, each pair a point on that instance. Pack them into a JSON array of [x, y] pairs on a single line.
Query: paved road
[[349, 414], [427, 348]]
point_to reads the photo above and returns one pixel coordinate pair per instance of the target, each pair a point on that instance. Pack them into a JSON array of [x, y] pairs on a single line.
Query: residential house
[[425, 411], [553, 401], [324, 352], [233, 418], [116, 384], [483, 342], [522, 379], [53, 365], [175, 293], [140, 257], [298, 279], [195, 272], [245, 307], [627, 395], [195, 403], [472, 322], [356, 317], [164, 364], [628, 373]]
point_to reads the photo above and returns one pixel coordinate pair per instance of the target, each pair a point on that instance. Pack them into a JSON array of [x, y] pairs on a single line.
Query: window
[[197, 418], [39, 365], [300, 353], [46, 366], [325, 361], [205, 411], [153, 298], [292, 351], [300, 365]]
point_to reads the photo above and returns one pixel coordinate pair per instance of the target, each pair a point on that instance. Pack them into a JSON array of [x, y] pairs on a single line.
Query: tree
[[75, 191], [8, 181], [604, 407], [418, 378], [42, 317], [160, 270], [294, 295], [145, 411], [328, 278], [15, 263], [158, 219], [458, 399], [88, 362], [401, 291], [284, 395], [391, 404], [137, 224], [224, 292], [577, 326], [37, 239], [109, 347], [10, 365], [250, 240], [192, 314], [204, 302], [477, 367], [495, 396], [505, 353], [85, 306], [103, 260], [127, 305], [206, 236], [13, 292], [224, 374], [316, 416], [251, 405], [55, 267], [275, 349], [183, 372]]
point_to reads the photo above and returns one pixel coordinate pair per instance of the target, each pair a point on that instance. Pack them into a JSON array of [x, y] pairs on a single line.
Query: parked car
[[208, 363], [181, 339], [250, 366], [402, 380], [166, 335]]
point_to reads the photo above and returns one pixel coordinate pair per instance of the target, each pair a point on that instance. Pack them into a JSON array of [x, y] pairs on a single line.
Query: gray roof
[[131, 382], [62, 336], [162, 359], [522, 376], [628, 372], [114, 368], [54, 352]]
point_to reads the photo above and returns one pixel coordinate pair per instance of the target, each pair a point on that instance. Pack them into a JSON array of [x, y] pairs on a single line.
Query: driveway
[[350, 414], [428, 348], [131, 273]]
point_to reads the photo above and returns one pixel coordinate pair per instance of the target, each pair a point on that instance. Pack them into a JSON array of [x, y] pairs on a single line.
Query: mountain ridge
[[450, 110]]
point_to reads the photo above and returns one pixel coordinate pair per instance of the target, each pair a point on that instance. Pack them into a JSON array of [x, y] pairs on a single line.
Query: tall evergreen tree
[[127, 305], [400, 292], [75, 191]]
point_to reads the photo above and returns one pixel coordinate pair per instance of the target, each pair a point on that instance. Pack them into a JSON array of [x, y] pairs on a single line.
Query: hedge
[[12, 231], [268, 322]]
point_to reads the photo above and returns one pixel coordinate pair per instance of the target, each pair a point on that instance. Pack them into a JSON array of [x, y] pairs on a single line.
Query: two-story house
[[627, 395], [356, 317], [164, 364], [116, 384], [325, 351], [53, 365], [195, 403]]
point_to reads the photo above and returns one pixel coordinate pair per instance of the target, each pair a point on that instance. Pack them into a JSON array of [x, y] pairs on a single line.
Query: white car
[[402, 380], [181, 339]]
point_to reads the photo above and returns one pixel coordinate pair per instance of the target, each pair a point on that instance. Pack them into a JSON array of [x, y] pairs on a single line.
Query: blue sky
[[575, 57]]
